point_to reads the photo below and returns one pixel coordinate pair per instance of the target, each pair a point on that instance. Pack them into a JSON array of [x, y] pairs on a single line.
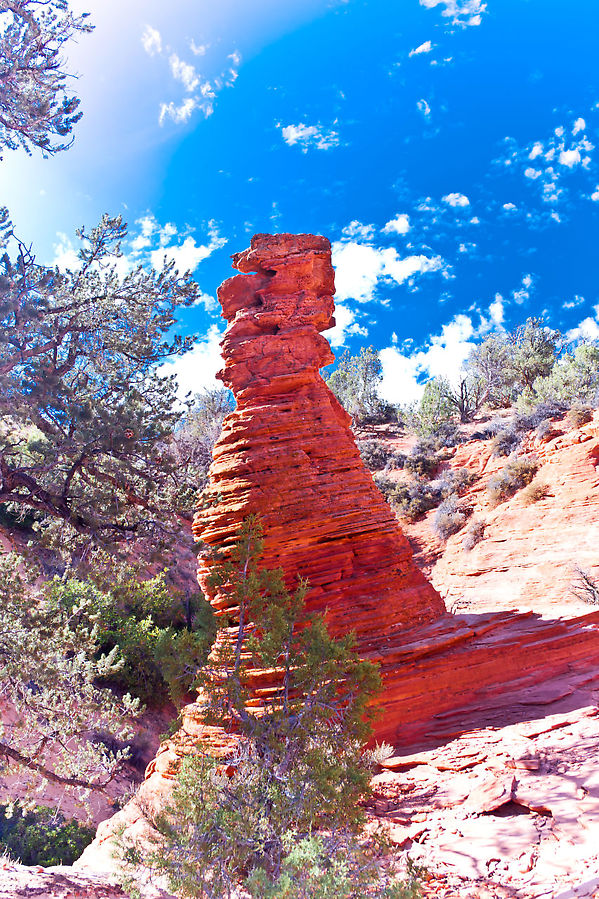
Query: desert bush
[[585, 587], [506, 441], [579, 415], [414, 499], [396, 461], [545, 430], [379, 753], [423, 460], [517, 473], [41, 836], [474, 534], [533, 493], [374, 454], [449, 517]]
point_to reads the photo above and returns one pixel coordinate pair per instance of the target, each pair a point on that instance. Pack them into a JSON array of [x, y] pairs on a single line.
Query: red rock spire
[[288, 454]]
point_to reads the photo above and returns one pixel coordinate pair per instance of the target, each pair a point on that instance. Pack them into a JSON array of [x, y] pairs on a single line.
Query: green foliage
[[296, 767], [423, 460], [86, 418], [505, 363], [573, 380], [41, 836], [199, 430], [320, 867], [434, 409], [355, 383], [50, 666], [517, 473], [36, 108], [416, 497], [142, 619], [534, 493]]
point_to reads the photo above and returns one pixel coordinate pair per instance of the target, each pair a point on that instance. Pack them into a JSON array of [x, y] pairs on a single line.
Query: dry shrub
[[474, 534], [578, 416], [449, 517], [534, 492], [517, 473]]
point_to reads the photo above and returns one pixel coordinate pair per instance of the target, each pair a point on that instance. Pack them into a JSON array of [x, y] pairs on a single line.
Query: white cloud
[[570, 158], [184, 72], [187, 255], [179, 114], [509, 207], [196, 370], [537, 150], [399, 225], [359, 268], [595, 194], [345, 326], [424, 108], [456, 199], [569, 148], [523, 293], [65, 254], [198, 49], [443, 357], [587, 329], [203, 91], [151, 41], [309, 136], [358, 230], [426, 47], [496, 310], [461, 12], [571, 304]]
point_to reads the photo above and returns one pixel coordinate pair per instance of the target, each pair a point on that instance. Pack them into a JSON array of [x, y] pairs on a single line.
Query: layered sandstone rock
[[288, 454]]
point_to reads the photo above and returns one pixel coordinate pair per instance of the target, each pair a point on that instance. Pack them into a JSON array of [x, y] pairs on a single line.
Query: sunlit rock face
[[288, 454]]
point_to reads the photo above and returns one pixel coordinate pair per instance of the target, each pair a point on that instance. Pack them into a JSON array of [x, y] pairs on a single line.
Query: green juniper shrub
[[41, 836], [417, 497], [144, 619], [449, 518], [52, 668], [545, 430], [517, 473], [281, 817], [506, 441], [385, 484]]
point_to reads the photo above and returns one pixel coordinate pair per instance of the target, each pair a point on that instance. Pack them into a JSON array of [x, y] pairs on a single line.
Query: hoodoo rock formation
[[287, 453]]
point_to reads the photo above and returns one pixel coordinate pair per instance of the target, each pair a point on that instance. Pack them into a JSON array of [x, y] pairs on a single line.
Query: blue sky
[[448, 149]]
